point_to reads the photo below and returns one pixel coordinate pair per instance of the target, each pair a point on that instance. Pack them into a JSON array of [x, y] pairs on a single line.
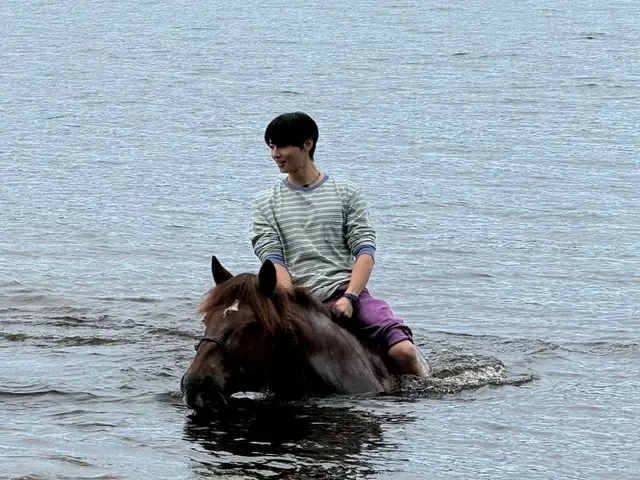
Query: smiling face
[[291, 159], [292, 139]]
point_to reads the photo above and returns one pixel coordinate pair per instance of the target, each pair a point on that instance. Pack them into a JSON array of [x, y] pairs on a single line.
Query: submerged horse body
[[261, 339]]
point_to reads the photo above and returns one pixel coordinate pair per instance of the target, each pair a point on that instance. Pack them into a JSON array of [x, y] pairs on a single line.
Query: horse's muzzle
[[201, 392]]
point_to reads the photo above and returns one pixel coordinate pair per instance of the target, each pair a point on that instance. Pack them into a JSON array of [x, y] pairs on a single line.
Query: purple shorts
[[374, 320]]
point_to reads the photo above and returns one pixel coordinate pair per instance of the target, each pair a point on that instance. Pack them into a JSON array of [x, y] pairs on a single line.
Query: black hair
[[292, 129]]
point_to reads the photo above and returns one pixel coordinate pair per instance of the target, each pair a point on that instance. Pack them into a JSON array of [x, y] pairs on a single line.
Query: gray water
[[498, 144]]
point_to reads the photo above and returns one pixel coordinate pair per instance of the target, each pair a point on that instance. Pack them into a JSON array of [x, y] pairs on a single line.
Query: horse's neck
[[338, 358]]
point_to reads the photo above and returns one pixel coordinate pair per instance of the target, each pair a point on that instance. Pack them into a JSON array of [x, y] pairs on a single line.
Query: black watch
[[355, 301]]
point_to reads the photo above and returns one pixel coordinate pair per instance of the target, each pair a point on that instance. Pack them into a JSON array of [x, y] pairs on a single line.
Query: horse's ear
[[220, 274], [267, 278]]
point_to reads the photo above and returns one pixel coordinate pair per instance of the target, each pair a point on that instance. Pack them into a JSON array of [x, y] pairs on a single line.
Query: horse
[[259, 338]]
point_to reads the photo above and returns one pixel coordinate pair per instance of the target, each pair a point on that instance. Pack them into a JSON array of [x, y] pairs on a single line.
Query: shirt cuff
[[369, 249], [276, 259]]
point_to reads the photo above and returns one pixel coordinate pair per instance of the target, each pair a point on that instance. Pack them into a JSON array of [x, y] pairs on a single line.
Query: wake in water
[[453, 372]]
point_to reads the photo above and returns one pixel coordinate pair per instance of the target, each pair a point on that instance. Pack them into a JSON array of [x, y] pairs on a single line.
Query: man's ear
[[308, 144]]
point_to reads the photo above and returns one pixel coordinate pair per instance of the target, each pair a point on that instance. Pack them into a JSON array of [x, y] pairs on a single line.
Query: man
[[312, 227]]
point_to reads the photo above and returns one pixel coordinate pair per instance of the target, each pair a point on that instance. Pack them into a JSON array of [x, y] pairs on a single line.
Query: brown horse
[[260, 339]]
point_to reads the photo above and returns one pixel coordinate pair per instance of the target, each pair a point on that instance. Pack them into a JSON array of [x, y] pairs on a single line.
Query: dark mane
[[277, 313]]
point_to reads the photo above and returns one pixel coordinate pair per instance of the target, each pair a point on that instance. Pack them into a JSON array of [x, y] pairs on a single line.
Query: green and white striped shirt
[[316, 232]]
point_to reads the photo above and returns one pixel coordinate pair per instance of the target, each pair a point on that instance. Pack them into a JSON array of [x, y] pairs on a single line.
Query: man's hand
[[342, 308]]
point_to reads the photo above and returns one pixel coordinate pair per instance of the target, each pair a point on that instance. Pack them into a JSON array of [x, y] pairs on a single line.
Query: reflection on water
[[260, 437], [266, 438]]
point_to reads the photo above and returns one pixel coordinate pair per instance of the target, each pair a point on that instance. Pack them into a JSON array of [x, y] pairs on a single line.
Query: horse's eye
[[254, 327]]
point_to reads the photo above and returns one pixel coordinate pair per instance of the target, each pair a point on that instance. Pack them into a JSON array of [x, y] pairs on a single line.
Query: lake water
[[499, 148]]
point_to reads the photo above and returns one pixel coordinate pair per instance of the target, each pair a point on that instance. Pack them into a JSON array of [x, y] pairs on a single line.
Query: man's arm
[[346, 305], [267, 245], [361, 239], [360, 274]]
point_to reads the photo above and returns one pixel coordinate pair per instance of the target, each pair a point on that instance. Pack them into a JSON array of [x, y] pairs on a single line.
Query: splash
[[454, 372]]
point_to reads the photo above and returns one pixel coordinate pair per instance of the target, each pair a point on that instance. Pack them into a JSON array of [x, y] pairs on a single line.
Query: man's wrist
[[353, 299]]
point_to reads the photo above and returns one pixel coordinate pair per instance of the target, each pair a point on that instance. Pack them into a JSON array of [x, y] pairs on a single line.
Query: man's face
[[289, 159]]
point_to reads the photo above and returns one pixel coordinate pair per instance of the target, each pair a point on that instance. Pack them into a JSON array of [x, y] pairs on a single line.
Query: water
[[500, 151]]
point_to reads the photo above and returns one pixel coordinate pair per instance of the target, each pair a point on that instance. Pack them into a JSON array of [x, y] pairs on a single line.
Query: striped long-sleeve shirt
[[316, 232]]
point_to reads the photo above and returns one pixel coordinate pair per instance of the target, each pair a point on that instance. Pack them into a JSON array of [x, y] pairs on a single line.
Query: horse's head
[[243, 321]]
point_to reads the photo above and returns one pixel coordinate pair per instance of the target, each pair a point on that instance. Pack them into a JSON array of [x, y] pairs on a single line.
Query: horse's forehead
[[234, 307]]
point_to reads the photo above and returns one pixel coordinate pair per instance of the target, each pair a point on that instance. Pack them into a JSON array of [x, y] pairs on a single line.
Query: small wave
[[541, 348], [129, 299], [73, 413], [42, 392], [50, 309], [14, 337], [592, 35], [27, 296], [76, 341], [94, 426], [602, 348], [461, 276], [173, 398], [30, 297], [67, 321], [51, 477], [72, 460], [172, 332], [527, 346], [10, 283], [88, 341]]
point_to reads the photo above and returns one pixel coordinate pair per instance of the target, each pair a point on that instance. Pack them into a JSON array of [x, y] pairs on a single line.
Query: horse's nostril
[[198, 382], [201, 391], [190, 382], [208, 381]]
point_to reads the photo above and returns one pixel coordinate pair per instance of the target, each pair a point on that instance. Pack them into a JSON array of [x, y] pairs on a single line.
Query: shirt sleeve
[[264, 236], [360, 234]]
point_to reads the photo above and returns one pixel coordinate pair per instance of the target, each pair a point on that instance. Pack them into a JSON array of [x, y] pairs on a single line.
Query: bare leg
[[406, 355]]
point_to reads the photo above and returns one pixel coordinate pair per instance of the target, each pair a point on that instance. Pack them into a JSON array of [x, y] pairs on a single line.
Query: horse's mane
[[277, 313]]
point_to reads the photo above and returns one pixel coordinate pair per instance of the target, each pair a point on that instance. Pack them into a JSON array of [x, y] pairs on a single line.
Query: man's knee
[[405, 354]]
